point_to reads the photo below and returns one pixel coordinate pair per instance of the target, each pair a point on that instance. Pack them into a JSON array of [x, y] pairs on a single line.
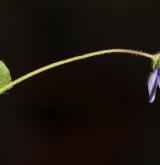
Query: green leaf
[[5, 77]]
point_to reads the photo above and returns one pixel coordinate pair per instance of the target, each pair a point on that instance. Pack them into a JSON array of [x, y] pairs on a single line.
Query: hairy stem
[[59, 63]]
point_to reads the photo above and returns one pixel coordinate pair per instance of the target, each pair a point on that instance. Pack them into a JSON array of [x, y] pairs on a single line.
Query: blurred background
[[89, 112]]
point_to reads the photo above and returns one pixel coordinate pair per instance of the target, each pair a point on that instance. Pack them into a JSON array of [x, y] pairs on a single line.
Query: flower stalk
[[154, 58]]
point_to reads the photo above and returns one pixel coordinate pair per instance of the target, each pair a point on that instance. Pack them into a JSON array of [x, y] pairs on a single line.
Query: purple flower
[[154, 81]]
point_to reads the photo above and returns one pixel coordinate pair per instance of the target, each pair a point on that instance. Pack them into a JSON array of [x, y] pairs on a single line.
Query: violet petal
[[152, 85], [159, 77]]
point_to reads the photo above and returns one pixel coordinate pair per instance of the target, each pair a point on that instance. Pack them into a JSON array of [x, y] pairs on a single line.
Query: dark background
[[89, 112]]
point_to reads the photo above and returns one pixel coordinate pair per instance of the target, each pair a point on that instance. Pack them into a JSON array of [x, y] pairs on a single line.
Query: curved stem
[[62, 62]]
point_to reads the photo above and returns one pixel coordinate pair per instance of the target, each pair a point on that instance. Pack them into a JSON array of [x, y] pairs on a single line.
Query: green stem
[[59, 63]]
